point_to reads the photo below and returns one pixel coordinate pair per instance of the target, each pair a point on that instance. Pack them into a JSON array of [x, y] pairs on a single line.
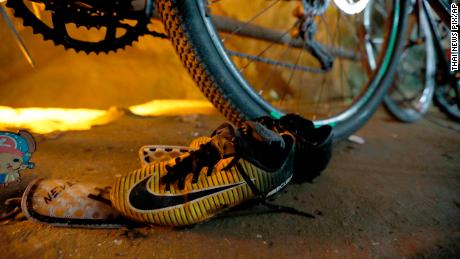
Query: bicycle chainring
[[122, 27]]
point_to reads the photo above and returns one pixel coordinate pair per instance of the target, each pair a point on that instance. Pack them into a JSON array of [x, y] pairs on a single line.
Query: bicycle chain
[[310, 8], [90, 14], [274, 62]]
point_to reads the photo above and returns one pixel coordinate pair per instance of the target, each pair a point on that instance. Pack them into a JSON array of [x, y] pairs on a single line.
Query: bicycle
[[447, 92], [226, 49], [429, 39], [411, 93]]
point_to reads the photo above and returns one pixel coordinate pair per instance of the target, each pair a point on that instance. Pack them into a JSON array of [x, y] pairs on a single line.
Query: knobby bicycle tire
[[217, 78]]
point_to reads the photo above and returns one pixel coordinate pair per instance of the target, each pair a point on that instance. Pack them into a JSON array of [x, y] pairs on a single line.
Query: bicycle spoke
[[251, 20], [275, 69], [339, 36], [266, 49], [293, 72], [319, 97], [275, 62], [296, 80]]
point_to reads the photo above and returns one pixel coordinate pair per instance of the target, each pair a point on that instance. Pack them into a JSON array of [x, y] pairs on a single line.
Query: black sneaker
[[313, 144]]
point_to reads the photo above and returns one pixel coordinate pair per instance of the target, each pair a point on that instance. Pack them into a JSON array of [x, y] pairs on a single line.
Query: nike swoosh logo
[[140, 198]]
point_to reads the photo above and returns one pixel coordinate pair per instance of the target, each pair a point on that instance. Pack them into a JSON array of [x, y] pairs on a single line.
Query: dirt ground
[[395, 196]]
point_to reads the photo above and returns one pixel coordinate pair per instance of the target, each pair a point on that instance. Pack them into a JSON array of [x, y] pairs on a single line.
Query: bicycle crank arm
[[16, 35]]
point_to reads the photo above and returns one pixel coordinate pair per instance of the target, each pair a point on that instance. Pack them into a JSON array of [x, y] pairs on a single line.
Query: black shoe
[[313, 145]]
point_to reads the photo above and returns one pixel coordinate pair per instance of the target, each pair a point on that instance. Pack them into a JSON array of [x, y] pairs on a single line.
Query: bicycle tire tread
[[177, 32]]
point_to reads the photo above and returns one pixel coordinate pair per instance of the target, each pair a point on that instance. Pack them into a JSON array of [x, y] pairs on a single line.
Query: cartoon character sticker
[[15, 153]]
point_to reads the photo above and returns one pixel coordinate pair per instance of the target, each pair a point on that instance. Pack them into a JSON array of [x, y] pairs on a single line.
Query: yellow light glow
[[172, 107], [47, 120]]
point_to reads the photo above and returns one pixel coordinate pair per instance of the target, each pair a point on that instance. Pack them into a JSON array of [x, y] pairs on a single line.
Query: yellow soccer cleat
[[232, 167], [149, 154]]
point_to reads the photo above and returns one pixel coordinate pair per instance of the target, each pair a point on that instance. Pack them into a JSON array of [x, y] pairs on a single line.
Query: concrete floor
[[395, 196]]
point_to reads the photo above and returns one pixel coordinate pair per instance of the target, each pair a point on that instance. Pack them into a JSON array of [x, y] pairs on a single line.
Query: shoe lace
[[221, 146], [226, 142]]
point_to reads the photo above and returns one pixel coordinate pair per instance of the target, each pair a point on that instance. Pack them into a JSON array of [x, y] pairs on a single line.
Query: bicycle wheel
[[446, 92], [445, 98], [234, 61], [411, 93]]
